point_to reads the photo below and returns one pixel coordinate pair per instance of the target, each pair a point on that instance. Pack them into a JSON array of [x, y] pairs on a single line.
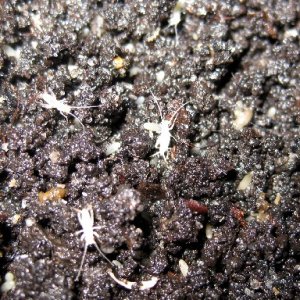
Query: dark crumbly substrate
[[114, 54]]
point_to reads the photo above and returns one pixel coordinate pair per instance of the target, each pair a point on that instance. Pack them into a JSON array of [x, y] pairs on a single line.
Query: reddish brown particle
[[239, 215], [3, 216], [195, 206], [174, 276]]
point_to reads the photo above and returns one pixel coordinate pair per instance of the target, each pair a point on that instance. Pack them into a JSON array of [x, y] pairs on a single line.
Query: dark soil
[[235, 61]]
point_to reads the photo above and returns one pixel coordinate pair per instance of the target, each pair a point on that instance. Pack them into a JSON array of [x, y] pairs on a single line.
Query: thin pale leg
[[64, 116], [175, 115], [95, 234], [82, 261], [97, 227], [102, 254], [158, 106], [79, 231], [72, 116], [155, 154], [77, 119], [91, 214], [174, 138], [45, 105], [87, 106], [176, 36], [164, 156]]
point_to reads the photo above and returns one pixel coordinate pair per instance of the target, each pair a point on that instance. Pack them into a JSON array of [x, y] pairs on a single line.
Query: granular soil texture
[[209, 213]]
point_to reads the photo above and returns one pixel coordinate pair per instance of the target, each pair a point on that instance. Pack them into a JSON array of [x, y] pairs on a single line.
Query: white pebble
[[54, 156], [271, 112], [29, 222], [9, 276], [140, 100], [4, 147], [12, 183], [243, 116], [117, 264], [184, 268], [7, 286], [11, 52], [208, 231], [73, 69], [130, 48], [291, 33], [9, 283], [97, 25], [15, 218], [160, 76], [245, 182], [107, 249], [112, 148]]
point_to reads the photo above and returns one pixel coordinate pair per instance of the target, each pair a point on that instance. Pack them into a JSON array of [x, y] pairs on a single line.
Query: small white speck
[[34, 44], [160, 76], [29, 222], [245, 182], [112, 148], [15, 219], [208, 231], [24, 203], [243, 116], [54, 156], [130, 48], [271, 112], [202, 11], [4, 147], [140, 100], [291, 33], [13, 183], [134, 71], [97, 26]]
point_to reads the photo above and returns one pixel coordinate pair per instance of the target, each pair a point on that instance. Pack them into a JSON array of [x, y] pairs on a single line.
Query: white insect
[[163, 129], [50, 102], [174, 21], [175, 17], [86, 220]]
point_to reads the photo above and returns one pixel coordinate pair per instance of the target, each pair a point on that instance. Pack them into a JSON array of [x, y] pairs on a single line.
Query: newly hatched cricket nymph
[[88, 233], [51, 102], [163, 129]]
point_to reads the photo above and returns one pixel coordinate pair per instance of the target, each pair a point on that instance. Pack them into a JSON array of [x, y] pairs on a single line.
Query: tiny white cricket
[[163, 129], [51, 102], [174, 21], [175, 17], [86, 220]]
